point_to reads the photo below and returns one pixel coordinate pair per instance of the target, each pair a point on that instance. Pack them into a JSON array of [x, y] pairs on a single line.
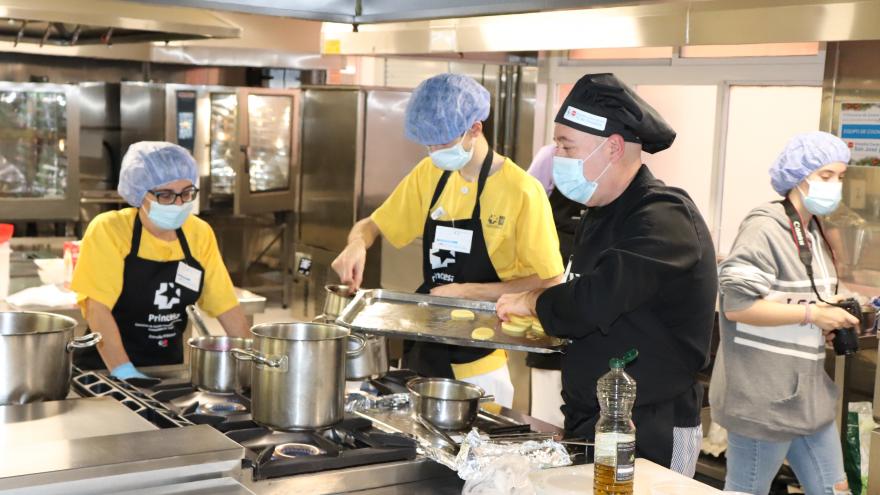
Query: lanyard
[[803, 247]]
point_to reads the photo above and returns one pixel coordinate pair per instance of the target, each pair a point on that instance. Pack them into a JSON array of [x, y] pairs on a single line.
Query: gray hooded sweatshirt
[[770, 382]]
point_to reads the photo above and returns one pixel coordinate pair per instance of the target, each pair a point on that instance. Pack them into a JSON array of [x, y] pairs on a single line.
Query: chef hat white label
[[585, 118]]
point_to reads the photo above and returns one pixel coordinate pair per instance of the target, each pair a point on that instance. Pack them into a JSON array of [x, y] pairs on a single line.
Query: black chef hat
[[602, 105]]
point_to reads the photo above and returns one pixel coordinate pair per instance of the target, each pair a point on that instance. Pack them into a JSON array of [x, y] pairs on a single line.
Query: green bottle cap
[[621, 362]]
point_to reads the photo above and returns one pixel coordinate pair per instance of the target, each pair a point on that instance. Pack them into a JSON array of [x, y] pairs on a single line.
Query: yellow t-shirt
[[517, 225], [107, 241], [517, 220]]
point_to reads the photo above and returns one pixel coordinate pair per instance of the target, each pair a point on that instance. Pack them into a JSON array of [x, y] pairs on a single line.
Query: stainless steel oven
[[39, 151]]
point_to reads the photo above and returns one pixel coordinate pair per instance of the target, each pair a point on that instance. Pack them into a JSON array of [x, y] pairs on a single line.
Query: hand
[[830, 318], [521, 304], [125, 371], [349, 265], [461, 291]]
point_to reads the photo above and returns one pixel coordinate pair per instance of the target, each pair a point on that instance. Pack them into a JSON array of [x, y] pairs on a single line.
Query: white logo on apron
[[162, 301], [441, 258]]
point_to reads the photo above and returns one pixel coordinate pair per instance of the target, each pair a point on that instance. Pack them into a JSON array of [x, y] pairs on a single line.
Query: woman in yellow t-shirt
[[140, 267]]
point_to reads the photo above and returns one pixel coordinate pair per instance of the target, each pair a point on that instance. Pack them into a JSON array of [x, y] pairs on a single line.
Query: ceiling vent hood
[[107, 22]]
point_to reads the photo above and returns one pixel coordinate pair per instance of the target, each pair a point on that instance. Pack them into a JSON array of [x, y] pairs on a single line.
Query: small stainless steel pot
[[367, 361], [338, 297], [447, 404], [212, 366], [36, 355], [298, 378]]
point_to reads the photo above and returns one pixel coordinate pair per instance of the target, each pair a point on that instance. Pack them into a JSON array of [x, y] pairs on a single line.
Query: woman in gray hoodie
[[769, 388]]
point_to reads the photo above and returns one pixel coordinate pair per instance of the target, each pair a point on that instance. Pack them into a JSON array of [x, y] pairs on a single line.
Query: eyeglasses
[[169, 197]]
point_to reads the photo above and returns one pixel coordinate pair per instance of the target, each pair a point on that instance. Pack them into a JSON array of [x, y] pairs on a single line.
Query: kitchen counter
[[65, 420], [420, 475], [97, 445], [24, 274], [650, 479]]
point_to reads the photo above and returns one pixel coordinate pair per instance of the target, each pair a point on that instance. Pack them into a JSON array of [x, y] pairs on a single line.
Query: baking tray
[[427, 318]]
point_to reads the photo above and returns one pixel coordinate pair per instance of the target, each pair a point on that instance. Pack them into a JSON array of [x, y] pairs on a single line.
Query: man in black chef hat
[[643, 273]]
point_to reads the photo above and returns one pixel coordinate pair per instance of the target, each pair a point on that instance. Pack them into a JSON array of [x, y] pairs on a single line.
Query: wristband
[[807, 318]]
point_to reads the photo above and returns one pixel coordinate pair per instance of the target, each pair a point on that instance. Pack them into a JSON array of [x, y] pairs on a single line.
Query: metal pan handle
[[487, 398], [362, 344], [197, 320], [431, 427], [89, 340], [247, 355]]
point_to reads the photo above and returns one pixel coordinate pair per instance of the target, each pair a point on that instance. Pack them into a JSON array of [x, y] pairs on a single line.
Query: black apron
[[430, 359], [150, 312], [566, 217]]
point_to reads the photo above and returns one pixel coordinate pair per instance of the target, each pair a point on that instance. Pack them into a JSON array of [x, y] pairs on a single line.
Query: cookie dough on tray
[[482, 333], [462, 314]]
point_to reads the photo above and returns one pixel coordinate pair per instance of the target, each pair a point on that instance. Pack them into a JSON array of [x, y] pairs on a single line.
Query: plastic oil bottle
[[614, 464]]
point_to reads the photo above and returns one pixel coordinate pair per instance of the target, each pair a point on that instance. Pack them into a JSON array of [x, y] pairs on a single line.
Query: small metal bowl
[[446, 404]]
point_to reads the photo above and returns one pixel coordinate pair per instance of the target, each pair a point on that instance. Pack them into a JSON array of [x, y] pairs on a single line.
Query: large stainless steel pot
[[36, 355], [298, 380], [368, 361], [445, 403], [212, 366], [338, 297]]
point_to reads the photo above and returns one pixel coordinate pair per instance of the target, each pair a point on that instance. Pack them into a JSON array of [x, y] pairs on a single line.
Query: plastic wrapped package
[[507, 474]]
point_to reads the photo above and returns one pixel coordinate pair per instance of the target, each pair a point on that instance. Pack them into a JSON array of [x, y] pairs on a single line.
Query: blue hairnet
[[803, 155], [148, 164], [443, 107]]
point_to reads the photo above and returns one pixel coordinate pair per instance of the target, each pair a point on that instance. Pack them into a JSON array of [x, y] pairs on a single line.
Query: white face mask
[[452, 158], [568, 176], [823, 198]]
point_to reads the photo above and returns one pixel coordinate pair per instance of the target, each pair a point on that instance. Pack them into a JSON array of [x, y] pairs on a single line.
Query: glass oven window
[[224, 142], [269, 128], [33, 139]]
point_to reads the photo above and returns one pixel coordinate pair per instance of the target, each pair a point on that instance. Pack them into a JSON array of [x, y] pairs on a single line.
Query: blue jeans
[[817, 461]]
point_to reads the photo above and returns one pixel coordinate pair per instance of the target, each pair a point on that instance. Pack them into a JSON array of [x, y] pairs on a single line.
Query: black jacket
[[644, 277], [567, 217]]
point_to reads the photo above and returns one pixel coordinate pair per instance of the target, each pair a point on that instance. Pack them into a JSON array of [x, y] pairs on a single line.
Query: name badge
[[450, 239], [189, 277]]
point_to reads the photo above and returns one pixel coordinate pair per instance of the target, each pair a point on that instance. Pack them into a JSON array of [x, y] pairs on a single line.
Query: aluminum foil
[[478, 451], [360, 401], [437, 453]]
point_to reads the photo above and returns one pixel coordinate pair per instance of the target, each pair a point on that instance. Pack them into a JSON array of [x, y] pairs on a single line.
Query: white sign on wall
[[860, 128]]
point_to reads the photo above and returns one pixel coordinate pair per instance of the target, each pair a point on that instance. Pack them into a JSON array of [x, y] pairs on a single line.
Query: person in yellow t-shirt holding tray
[[486, 225], [140, 267]]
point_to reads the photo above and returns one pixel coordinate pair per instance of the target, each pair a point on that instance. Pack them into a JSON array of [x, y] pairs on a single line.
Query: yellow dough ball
[[512, 328], [482, 333], [536, 326], [521, 321], [462, 314]]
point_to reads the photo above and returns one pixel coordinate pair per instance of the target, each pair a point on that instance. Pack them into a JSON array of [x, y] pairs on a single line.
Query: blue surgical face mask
[[823, 198], [568, 177], [169, 217], [453, 158]]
